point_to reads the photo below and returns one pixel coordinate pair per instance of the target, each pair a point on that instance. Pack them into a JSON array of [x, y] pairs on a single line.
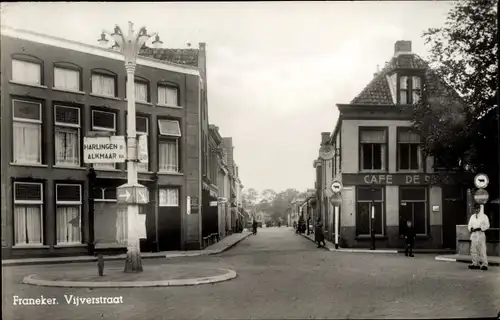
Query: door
[[169, 220], [454, 213]]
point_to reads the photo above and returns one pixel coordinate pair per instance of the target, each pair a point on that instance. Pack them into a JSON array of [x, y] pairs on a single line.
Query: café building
[[379, 160]]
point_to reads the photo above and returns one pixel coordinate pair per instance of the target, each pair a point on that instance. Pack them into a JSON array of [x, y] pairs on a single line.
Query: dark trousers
[[409, 248]]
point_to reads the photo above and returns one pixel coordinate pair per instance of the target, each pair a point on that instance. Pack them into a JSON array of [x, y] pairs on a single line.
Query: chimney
[[324, 137], [402, 47]]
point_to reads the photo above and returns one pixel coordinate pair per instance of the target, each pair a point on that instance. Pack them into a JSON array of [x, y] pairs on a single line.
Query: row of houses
[[377, 157], [55, 92]]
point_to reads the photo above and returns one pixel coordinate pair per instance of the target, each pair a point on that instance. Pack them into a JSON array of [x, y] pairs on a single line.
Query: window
[[365, 195], [65, 78], [373, 145], [68, 213], [105, 208], [410, 89], [28, 217], [168, 197], [67, 135], [409, 150], [104, 121], [27, 132], [103, 85], [168, 95], [141, 91], [26, 72], [141, 124], [413, 207], [168, 145]]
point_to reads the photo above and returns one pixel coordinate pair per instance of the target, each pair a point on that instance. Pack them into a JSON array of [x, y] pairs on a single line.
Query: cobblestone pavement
[[282, 275]]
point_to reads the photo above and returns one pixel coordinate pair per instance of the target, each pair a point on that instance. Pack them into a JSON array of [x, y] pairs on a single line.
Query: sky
[[276, 70]]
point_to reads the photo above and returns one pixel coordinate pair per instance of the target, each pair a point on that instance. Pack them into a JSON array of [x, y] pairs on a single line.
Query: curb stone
[[31, 280]]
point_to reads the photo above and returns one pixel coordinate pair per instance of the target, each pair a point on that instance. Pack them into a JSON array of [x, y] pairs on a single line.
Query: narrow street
[[282, 275]]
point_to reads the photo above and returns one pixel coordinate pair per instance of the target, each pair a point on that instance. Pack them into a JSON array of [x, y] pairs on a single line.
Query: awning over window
[[169, 128]]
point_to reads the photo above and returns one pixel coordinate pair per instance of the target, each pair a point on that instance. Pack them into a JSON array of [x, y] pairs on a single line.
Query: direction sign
[[104, 149], [336, 186], [336, 200], [481, 196], [481, 181], [136, 194]]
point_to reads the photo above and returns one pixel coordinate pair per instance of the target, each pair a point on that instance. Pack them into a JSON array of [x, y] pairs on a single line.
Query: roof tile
[[178, 56], [378, 92]]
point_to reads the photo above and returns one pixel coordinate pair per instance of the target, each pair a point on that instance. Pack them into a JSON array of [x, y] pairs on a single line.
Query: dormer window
[[410, 89]]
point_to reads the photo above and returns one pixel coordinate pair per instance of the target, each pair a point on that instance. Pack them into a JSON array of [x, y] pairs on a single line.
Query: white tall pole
[[133, 262], [130, 45]]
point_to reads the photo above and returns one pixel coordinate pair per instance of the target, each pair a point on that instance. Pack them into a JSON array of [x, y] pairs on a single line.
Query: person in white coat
[[478, 224]]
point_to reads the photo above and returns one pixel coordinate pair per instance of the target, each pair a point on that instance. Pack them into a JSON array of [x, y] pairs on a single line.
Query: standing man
[[478, 224]]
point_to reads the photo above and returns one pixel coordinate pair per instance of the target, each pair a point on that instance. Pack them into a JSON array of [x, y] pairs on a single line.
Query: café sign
[[397, 179]]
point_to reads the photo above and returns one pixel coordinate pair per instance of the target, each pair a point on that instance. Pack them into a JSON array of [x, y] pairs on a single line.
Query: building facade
[[54, 92], [378, 159]]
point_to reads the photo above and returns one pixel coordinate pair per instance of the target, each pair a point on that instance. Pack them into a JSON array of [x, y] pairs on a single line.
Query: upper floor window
[[104, 121], [103, 84], [410, 89], [141, 91], [373, 146], [26, 72], [27, 131], [67, 135], [168, 145], [409, 150], [67, 78], [168, 95]]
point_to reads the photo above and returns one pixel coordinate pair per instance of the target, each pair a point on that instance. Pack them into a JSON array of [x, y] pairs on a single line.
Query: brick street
[[281, 275]]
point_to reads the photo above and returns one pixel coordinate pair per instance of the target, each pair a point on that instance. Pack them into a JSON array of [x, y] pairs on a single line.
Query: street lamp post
[[129, 45]]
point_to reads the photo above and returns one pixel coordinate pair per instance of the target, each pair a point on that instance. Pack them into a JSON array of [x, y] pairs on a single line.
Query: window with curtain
[[409, 150], [366, 198], [105, 203], [68, 79], [67, 135], [168, 197], [403, 90], [168, 95], [26, 72], [28, 213], [410, 89], [413, 207], [104, 121], [373, 145], [103, 85], [141, 91], [168, 145], [416, 89], [27, 132], [68, 213]]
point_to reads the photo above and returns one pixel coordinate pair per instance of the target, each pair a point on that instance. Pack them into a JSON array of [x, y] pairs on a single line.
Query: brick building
[[55, 91], [379, 161]]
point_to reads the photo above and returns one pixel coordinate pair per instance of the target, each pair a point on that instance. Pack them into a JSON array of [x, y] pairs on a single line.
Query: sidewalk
[[221, 246], [331, 247], [492, 260]]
